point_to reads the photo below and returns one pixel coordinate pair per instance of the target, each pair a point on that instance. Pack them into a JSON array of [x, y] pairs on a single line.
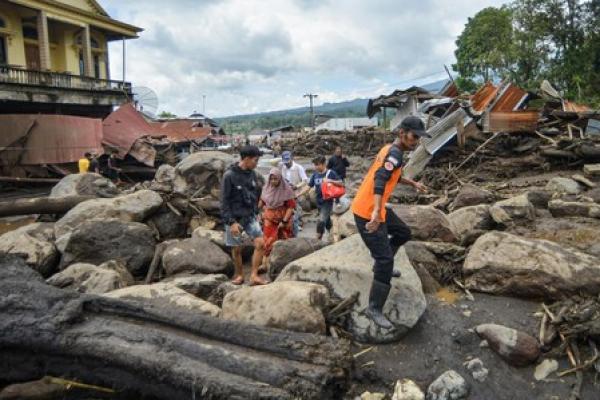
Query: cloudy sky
[[249, 56]]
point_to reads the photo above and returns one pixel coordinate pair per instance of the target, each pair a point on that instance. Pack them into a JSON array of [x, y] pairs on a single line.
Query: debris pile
[[363, 142]]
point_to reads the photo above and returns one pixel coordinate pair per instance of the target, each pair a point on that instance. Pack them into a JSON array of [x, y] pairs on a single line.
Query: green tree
[[166, 114], [484, 49]]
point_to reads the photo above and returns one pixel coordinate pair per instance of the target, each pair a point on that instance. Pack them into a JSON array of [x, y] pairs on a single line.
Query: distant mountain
[[239, 124]]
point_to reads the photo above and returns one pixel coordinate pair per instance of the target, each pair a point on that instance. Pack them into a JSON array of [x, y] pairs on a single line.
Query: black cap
[[415, 125]]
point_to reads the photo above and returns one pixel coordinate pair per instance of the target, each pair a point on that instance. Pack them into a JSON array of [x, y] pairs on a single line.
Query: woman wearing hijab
[[278, 203]]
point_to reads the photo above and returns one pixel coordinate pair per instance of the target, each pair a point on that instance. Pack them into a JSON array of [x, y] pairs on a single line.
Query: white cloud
[[257, 55]]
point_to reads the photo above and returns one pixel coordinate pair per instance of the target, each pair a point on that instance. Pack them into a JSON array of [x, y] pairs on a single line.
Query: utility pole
[[204, 105], [312, 96]]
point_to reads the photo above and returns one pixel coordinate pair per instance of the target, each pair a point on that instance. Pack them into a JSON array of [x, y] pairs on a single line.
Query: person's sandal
[[258, 282], [238, 281]]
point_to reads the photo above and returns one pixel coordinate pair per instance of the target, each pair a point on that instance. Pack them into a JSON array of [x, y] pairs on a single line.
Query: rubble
[[406, 389], [88, 278], [448, 386], [516, 347]]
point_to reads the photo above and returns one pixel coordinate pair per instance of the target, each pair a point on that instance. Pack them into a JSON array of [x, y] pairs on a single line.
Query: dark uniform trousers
[[384, 243]]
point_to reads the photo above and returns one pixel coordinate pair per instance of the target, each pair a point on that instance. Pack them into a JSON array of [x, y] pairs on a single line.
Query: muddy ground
[[442, 341]]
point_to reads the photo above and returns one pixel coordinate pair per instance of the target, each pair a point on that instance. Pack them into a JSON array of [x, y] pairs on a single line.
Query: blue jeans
[[324, 216]]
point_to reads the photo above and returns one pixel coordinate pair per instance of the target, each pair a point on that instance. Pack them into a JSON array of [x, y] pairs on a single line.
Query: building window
[[2, 23], [3, 52], [30, 32]]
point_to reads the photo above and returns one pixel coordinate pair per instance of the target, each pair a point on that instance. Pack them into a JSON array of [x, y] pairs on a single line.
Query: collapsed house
[[33, 145]]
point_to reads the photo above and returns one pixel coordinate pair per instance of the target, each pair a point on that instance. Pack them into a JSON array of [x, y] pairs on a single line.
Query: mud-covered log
[[40, 205], [151, 350]]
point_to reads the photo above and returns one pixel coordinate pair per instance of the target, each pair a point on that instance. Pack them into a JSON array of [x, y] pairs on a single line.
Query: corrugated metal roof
[[574, 107], [484, 96], [512, 121], [123, 127], [510, 99], [182, 130], [32, 139]]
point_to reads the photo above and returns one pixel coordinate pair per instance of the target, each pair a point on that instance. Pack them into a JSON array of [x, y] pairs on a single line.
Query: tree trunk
[[153, 350], [40, 205]]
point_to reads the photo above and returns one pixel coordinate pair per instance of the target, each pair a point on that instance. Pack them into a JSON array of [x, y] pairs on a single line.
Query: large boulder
[[134, 207], [580, 233], [88, 278], [471, 195], [200, 173], [164, 179], [343, 226], [560, 208], [89, 184], [98, 241], [33, 243], [165, 293], [295, 306], [345, 269], [561, 185], [426, 222], [217, 237], [168, 224], [195, 255], [202, 286], [286, 251], [503, 263], [471, 222], [512, 210], [516, 347]]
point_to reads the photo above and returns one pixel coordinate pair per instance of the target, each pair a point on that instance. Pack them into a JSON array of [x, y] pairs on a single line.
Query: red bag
[[331, 191]]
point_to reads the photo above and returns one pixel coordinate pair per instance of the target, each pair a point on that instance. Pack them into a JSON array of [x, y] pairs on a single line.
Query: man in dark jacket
[[338, 163], [240, 192]]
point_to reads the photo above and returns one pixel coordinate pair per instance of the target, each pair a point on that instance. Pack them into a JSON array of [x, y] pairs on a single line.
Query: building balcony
[[30, 91]]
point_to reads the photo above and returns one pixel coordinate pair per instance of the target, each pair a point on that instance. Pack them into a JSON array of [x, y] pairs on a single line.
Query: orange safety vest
[[364, 202]]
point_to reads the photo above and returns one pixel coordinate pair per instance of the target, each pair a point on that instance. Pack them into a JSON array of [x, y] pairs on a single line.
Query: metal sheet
[[52, 139], [512, 121], [123, 127], [182, 130], [483, 97]]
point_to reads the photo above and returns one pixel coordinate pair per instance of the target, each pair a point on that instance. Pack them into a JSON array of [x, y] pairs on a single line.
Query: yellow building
[[57, 44]]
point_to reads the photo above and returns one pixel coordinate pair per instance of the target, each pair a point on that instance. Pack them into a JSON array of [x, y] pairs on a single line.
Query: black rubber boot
[[377, 297]]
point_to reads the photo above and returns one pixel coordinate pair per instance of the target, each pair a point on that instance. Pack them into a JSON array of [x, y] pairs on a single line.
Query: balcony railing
[[21, 76]]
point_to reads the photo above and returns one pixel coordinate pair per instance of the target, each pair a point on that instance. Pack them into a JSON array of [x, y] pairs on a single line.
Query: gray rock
[[560, 208], [164, 179], [448, 386], [580, 233], [195, 255], [516, 347], [478, 371], [200, 173], [539, 198], [544, 369], [591, 169], [406, 389], [88, 278], [34, 244], [471, 222], [286, 251], [372, 396], [471, 195], [502, 263], [217, 237], [561, 185], [202, 286], [134, 207], [426, 223], [343, 226], [98, 241], [295, 306], [217, 296], [168, 224], [345, 268], [513, 209], [89, 184], [161, 293]]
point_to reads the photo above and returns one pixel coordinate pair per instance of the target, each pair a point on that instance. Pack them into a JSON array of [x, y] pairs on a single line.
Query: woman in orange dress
[[278, 203]]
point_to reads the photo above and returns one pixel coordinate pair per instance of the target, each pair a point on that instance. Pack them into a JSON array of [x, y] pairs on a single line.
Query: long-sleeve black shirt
[[339, 165], [392, 162]]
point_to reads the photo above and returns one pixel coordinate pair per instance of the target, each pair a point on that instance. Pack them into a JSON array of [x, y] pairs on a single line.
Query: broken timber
[[151, 350], [40, 205]]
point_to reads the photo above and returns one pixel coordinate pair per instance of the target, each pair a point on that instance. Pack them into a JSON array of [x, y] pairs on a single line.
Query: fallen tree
[[152, 350], [40, 205]]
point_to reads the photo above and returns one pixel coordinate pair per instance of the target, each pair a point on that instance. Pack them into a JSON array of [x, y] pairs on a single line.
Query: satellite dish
[[145, 100]]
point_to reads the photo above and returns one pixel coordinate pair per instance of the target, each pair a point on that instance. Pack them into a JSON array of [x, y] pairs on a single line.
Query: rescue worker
[[381, 230]]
